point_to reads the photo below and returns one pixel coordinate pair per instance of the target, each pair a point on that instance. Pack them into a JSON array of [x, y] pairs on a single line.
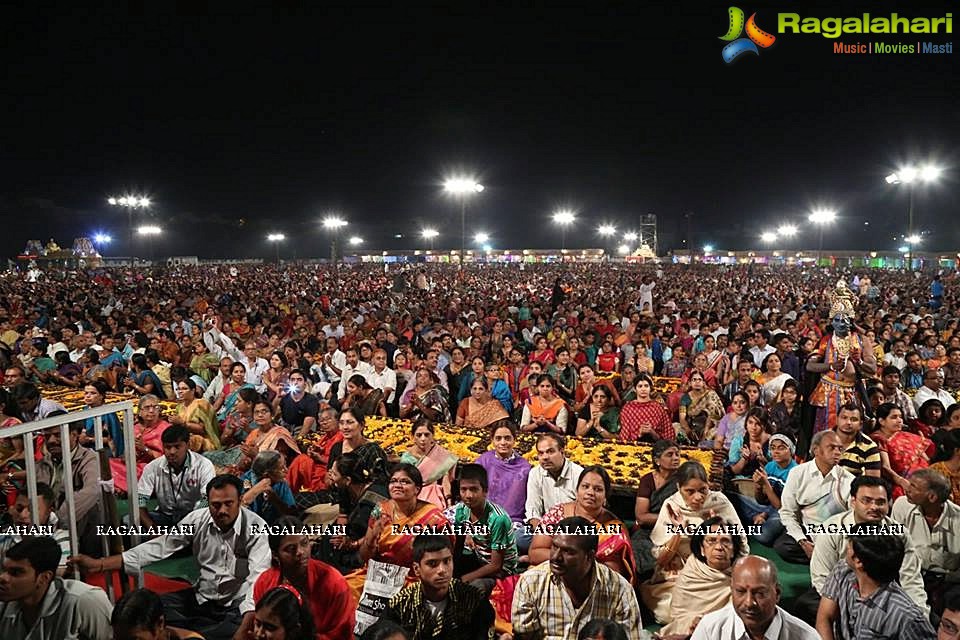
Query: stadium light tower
[[333, 224], [130, 202], [564, 218], [276, 239], [430, 234], [911, 176], [462, 188], [821, 218]]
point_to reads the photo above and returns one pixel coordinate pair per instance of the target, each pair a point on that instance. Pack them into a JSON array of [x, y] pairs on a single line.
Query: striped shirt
[[887, 613], [62, 537], [542, 606], [861, 455]]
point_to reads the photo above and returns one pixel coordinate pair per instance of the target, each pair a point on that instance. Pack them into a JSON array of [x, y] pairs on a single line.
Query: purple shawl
[[507, 483]]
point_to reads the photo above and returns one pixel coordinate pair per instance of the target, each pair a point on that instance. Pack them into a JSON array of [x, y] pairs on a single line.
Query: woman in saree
[[426, 399], [624, 385], [693, 503], [196, 414], [714, 362], [546, 411], [95, 395], [655, 487], [901, 452], [268, 436], [360, 491], [601, 418], [701, 409], [593, 488], [147, 431], [435, 463], [733, 422], [235, 429], [390, 536], [142, 379], [67, 373], [275, 378], [703, 584], [772, 379], [225, 402], [479, 410], [371, 456], [363, 396]]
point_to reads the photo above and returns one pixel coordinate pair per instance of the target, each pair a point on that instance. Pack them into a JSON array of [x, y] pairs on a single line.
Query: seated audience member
[[22, 518], [390, 531], [733, 423], [763, 508], [480, 409], [229, 554], [546, 411], [556, 599], [552, 482], [613, 546], [359, 492], [749, 452], [653, 491], [645, 418], [266, 491], [599, 419], [946, 459], [932, 523], [282, 614], [321, 586], [138, 615], [603, 629], [86, 477], [869, 574], [38, 604], [177, 480], [484, 557], [754, 612], [417, 607], [693, 503], [901, 452], [508, 471], [308, 476], [860, 454], [436, 464], [148, 440], [950, 620], [814, 491], [370, 455], [933, 388], [703, 584], [870, 501], [298, 409]]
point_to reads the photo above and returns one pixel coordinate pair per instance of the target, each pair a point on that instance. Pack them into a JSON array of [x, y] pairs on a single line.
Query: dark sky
[[242, 122]]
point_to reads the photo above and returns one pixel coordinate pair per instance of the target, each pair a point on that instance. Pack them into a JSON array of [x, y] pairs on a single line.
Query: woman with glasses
[[601, 418], [671, 536], [394, 524], [147, 431], [703, 584]]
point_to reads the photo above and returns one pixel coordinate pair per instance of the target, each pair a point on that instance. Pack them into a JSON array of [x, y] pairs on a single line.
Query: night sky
[[237, 124]]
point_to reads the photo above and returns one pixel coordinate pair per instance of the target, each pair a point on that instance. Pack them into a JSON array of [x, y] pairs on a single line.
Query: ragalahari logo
[[756, 37]]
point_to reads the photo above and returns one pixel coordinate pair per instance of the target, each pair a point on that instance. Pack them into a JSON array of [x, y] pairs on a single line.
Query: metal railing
[[29, 429]]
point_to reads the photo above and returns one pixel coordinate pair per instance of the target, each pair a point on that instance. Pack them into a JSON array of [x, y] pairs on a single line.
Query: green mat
[[183, 568]]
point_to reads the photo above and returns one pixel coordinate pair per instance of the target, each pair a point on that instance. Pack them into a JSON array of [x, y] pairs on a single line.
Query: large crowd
[[829, 395]]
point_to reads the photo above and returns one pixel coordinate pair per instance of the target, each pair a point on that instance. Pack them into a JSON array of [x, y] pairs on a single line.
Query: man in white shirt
[[354, 366], [554, 481], [228, 549], [177, 480], [333, 361], [256, 366], [215, 388], [761, 349], [753, 611], [383, 377], [933, 523], [932, 389], [897, 357], [814, 491], [37, 605], [647, 285], [870, 499]]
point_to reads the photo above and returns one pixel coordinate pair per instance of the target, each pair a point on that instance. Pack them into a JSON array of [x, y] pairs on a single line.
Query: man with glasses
[[870, 497], [950, 620], [932, 389]]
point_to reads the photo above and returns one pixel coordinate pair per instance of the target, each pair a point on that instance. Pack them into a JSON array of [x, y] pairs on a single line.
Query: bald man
[[753, 612]]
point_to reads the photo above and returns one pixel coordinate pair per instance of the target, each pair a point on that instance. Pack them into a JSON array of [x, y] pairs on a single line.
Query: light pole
[[355, 241], [430, 234], [911, 176], [564, 218], [462, 188], [606, 230], [334, 224], [130, 202], [101, 239], [149, 231], [276, 239], [821, 218]]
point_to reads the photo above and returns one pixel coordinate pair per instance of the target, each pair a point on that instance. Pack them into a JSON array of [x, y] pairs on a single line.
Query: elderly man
[[556, 599], [932, 522], [861, 597], [870, 500], [814, 491], [230, 556], [754, 611], [932, 389]]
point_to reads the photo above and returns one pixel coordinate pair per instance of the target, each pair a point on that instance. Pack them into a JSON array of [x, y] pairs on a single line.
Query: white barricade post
[[30, 429]]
